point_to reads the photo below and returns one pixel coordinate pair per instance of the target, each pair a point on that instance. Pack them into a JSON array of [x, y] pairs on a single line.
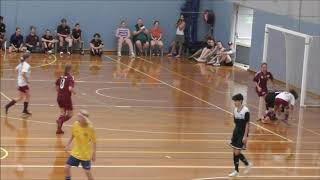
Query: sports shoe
[[247, 168], [27, 51], [61, 53], [27, 112], [234, 173], [132, 55], [216, 64], [201, 60], [69, 53], [82, 52], [119, 54], [50, 52]]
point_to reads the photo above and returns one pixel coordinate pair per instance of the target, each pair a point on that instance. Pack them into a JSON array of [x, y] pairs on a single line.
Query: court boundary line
[[6, 153], [148, 139], [164, 166], [165, 152], [257, 176], [203, 85], [109, 129], [187, 93], [185, 77], [126, 99], [33, 67], [80, 81]]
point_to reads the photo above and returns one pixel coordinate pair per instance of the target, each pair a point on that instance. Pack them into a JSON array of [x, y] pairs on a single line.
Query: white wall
[[310, 9]]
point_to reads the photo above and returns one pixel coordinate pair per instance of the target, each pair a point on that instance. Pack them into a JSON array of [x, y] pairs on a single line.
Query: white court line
[[186, 77], [211, 104], [168, 152], [127, 99], [118, 130], [78, 81], [55, 59], [5, 153], [144, 139], [271, 176], [163, 166], [5, 96], [115, 106]]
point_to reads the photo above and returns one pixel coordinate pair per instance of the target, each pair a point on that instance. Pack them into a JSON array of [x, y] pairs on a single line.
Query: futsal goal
[[294, 58]]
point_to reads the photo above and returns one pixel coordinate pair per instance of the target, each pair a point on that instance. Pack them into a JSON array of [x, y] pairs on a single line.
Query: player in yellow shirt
[[84, 145]]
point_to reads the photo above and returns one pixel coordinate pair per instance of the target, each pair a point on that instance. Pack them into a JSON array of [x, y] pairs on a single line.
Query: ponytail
[[24, 57]]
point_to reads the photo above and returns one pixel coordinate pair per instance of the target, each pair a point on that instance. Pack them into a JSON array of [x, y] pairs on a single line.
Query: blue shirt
[[16, 40]]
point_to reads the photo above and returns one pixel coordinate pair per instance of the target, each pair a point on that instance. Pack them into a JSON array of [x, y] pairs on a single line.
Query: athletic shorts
[[65, 103], [227, 63], [281, 102], [263, 92], [72, 161], [23, 88]]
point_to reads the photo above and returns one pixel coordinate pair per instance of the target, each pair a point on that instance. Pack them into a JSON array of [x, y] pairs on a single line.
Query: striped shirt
[[123, 32]]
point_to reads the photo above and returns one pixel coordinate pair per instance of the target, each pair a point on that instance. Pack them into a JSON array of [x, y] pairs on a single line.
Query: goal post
[[290, 41]]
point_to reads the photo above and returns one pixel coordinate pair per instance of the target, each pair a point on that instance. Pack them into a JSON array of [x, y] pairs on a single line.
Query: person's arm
[[67, 148], [71, 87], [101, 46], [129, 34], [24, 75], [182, 26], [92, 45], [94, 146], [160, 37], [27, 42], [256, 81], [44, 40], [117, 33], [246, 132]]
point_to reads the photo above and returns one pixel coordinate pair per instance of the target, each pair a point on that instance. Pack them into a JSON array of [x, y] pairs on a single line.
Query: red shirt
[[64, 82], [262, 79], [156, 32]]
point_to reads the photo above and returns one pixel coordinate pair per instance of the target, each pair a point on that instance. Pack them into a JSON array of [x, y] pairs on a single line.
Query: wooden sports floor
[[155, 119]]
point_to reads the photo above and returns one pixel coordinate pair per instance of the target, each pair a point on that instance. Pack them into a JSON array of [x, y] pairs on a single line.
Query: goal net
[[294, 59]]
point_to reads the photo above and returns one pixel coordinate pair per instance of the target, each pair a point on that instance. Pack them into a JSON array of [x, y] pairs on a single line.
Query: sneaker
[[247, 168], [61, 53], [200, 60], [132, 55], [82, 52], [27, 112], [216, 64], [27, 51], [50, 52], [69, 53], [234, 174], [119, 54]]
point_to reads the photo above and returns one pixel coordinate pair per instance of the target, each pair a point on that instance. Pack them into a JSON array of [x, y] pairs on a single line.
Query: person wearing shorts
[[63, 31], [285, 100], [96, 45], [16, 42], [240, 134], [269, 115], [48, 42], [77, 38], [33, 41], [179, 39], [84, 145], [141, 37], [261, 80], [123, 35], [156, 38], [24, 71], [65, 89]]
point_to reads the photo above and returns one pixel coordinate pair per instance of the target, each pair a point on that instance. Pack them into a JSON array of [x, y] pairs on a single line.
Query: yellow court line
[[164, 166], [189, 94], [55, 59], [167, 152], [128, 130], [5, 153], [149, 139]]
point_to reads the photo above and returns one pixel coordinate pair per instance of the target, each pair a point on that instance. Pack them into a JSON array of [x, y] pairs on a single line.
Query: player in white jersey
[[240, 135], [285, 100], [23, 70]]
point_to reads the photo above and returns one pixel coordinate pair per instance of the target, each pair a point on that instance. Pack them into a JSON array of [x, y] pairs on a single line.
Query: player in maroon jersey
[[261, 80], [65, 88]]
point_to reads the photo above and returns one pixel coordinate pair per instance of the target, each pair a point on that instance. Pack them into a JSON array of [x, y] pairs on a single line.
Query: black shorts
[[236, 142]]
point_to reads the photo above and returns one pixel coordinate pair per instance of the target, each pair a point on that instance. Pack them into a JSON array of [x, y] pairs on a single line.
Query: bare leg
[[89, 174]]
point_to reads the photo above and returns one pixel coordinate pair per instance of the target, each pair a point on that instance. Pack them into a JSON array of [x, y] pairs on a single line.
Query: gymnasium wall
[[259, 20], [97, 15]]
